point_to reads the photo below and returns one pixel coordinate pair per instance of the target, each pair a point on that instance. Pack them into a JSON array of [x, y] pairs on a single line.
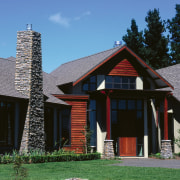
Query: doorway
[[127, 126]]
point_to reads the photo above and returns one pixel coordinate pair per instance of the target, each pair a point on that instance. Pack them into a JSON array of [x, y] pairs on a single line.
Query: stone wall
[[166, 149], [29, 81], [108, 149]]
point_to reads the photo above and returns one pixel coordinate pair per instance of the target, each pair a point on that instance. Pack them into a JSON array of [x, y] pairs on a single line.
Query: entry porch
[[132, 119]]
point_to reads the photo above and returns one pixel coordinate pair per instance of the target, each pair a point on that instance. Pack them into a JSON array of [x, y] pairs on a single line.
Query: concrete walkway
[[144, 162]]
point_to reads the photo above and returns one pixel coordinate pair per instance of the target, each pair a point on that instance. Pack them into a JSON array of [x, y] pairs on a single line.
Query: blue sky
[[74, 28]]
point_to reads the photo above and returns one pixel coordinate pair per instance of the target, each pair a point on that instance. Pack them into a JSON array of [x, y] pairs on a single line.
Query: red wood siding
[[78, 119], [123, 68], [78, 122]]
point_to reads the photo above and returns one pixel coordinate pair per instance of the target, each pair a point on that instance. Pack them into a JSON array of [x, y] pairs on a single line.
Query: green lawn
[[92, 170]]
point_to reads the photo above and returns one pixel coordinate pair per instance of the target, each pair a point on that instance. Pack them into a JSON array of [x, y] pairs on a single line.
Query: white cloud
[[87, 13], [59, 19], [64, 21]]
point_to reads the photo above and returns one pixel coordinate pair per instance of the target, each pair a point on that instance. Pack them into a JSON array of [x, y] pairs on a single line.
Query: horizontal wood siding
[[78, 122], [123, 68], [78, 105]]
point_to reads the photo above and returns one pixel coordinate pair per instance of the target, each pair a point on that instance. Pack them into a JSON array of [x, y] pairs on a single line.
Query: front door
[[127, 146], [126, 126], [127, 133]]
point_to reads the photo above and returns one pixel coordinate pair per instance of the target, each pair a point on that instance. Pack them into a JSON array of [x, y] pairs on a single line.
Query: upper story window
[[120, 82], [90, 84]]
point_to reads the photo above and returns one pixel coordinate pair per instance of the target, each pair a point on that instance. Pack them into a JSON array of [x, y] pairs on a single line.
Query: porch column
[[166, 149], [108, 118], [165, 118], [108, 143], [145, 130]]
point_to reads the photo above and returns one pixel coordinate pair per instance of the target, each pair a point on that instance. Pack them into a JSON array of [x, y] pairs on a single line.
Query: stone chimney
[[29, 81]]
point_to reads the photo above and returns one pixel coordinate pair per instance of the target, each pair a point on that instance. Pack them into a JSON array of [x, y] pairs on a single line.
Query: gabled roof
[[172, 74], [7, 87], [75, 71], [72, 71]]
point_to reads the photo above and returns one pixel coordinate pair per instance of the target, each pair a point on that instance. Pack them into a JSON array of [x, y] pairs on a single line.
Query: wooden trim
[[71, 97]]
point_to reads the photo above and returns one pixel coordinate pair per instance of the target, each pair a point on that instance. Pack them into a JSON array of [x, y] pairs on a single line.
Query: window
[[65, 127], [120, 82], [92, 119], [6, 123], [90, 84]]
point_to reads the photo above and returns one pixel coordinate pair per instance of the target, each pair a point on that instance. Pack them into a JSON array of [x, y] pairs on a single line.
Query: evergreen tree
[[134, 39], [156, 45], [174, 28]]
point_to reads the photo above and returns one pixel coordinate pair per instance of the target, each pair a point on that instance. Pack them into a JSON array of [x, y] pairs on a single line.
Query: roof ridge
[[93, 55]]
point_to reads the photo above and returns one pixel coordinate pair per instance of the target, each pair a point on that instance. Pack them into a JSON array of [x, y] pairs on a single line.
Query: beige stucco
[[101, 136], [145, 130], [176, 134], [100, 82], [154, 127], [139, 82]]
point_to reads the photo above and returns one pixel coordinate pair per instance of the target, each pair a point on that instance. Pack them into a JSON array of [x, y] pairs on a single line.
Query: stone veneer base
[[108, 149], [166, 149]]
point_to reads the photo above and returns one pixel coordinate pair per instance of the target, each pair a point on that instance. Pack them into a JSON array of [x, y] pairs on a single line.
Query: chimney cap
[[117, 43], [29, 27]]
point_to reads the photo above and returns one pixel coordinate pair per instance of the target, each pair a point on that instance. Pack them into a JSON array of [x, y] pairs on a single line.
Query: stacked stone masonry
[[29, 81], [108, 149], [166, 149]]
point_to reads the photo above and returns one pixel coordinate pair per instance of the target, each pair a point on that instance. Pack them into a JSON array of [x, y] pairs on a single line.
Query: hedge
[[51, 158]]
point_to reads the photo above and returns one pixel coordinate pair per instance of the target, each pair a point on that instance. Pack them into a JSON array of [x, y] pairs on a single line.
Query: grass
[[92, 170]]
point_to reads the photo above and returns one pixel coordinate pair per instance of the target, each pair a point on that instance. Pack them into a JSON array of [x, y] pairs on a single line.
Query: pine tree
[[156, 45], [134, 39], [174, 29]]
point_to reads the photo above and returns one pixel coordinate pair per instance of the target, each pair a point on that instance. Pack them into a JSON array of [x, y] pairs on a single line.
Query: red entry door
[[127, 139], [127, 146]]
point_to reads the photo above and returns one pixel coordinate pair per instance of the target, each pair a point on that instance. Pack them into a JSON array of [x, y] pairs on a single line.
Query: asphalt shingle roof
[[7, 87], [7, 75], [172, 74], [72, 71]]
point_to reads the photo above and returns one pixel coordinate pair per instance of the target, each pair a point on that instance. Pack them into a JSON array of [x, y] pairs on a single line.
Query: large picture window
[[120, 82], [92, 119], [6, 123]]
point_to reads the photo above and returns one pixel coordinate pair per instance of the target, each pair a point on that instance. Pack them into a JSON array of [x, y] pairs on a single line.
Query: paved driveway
[[144, 162]]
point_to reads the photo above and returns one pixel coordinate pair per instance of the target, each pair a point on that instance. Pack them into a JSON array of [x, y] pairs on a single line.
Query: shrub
[[20, 172], [50, 157]]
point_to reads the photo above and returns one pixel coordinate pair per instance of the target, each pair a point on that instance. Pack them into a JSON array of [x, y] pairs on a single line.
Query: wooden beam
[[108, 118], [165, 118]]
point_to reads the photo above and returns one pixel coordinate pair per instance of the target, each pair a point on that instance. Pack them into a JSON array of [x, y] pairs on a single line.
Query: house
[[131, 109]]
